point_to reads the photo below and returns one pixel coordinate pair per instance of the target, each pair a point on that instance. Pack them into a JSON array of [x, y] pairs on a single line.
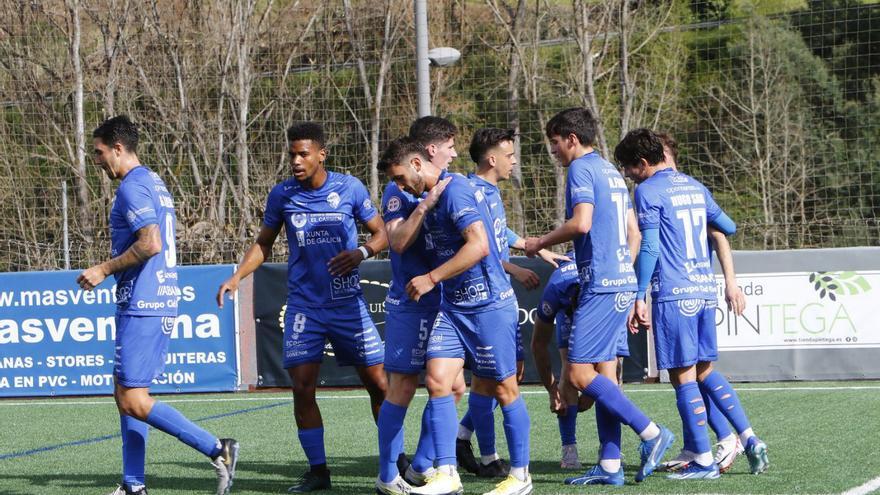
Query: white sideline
[[868, 487], [57, 402]]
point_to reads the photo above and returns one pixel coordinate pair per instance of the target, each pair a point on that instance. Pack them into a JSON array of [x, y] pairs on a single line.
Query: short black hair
[[306, 130], [120, 130], [432, 130], [578, 121], [488, 138], [398, 150], [670, 143], [637, 144]]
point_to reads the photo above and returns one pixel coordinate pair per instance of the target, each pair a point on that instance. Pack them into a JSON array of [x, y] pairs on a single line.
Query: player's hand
[[345, 262], [533, 245], [434, 194], [526, 277], [552, 258], [230, 286], [557, 405], [639, 317], [419, 286], [736, 300], [91, 277]]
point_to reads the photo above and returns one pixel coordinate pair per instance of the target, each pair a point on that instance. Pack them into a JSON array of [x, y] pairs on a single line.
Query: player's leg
[[722, 394], [597, 322], [464, 451], [445, 359], [481, 406], [142, 344], [568, 421]]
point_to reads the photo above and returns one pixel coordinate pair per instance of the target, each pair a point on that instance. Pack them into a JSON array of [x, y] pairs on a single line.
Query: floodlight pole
[[423, 75]]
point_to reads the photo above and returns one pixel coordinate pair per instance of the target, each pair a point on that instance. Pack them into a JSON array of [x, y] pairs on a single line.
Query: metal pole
[[64, 216], [423, 76]]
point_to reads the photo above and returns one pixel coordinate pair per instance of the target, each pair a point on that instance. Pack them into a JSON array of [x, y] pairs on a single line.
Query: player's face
[[637, 173], [562, 149], [505, 159], [306, 158], [106, 157], [407, 178], [443, 153]]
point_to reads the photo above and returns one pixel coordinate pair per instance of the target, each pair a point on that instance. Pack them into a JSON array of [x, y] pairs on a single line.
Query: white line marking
[[266, 398], [868, 487]]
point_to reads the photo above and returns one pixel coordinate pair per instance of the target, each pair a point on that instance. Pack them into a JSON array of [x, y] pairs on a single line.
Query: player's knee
[[438, 386], [303, 392]]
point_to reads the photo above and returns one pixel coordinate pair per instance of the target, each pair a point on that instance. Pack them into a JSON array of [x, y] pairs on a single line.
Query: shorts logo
[[393, 205], [690, 307], [546, 309], [333, 199], [623, 301], [299, 220], [168, 324]]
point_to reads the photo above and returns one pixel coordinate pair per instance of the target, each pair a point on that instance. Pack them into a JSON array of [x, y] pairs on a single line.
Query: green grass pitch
[[822, 438]]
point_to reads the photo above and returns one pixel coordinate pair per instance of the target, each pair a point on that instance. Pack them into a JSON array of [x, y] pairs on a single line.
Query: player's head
[[569, 132], [640, 153], [493, 151], [437, 135], [670, 149], [406, 162], [113, 141], [305, 147]]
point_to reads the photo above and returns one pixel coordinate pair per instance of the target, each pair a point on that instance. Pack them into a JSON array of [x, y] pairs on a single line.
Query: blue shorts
[[684, 332], [351, 332], [406, 337], [599, 325], [141, 347], [486, 340]]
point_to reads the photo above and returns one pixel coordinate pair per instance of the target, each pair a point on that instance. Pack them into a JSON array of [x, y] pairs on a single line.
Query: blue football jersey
[[496, 208], [484, 285], [602, 255], [149, 289], [559, 293], [320, 223], [418, 259], [681, 208]]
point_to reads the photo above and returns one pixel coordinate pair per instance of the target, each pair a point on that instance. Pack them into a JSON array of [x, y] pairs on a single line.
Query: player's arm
[[541, 338], [402, 233], [526, 277], [147, 245], [646, 261], [736, 300], [633, 234], [347, 261], [517, 242], [579, 224], [475, 248], [259, 252]]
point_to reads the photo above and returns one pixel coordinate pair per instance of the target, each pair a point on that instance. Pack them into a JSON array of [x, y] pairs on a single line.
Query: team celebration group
[[451, 306]]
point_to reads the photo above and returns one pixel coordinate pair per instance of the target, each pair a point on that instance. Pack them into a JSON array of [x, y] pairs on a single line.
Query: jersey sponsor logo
[[299, 220], [690, 307], [393, 205], [319, 219], [168, 324], [333, 199], [678, 179], [623, 301], [123, 292]]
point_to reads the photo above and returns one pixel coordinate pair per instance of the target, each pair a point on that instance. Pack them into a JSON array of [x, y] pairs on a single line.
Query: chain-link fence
[[775, 104]]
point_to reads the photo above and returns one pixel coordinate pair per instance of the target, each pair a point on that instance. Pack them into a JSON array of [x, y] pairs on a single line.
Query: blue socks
[[444, 421], [516, 429], [609, 433], [717, 421], [134, 449], [481, 409], [312, 441], [166, 418], [693, 418], [423, 459], [567, 425], [466, 420], [390, 425], [604, 391], [723, 396]]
